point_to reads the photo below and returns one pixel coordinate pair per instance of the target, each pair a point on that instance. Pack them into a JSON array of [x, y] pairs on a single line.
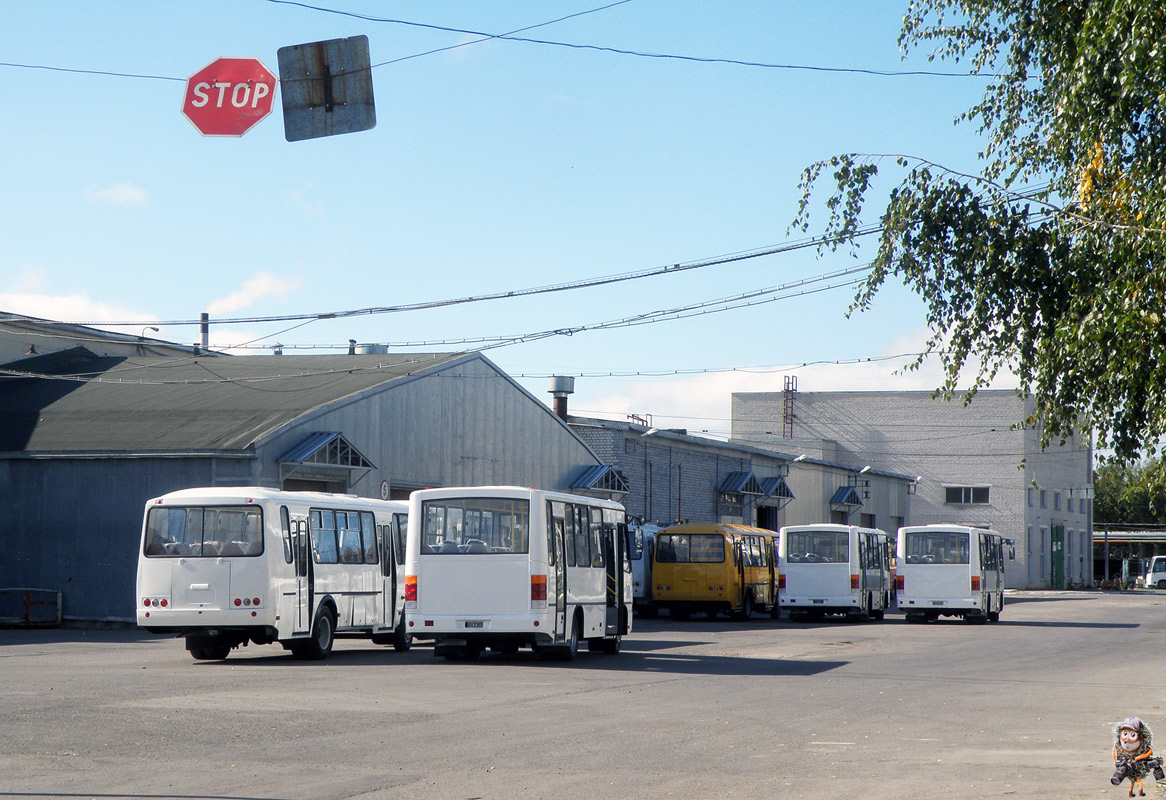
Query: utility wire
[[620, 51], [800, 244]]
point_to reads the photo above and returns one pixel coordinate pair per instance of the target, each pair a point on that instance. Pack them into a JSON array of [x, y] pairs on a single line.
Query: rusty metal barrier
[[30, 608]]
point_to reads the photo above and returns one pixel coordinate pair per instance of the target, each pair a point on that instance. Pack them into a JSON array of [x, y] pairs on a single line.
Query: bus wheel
[[746, 607], [993, 616], [571, 649], [317, 646], [207, 648], [1162, 584], [611, 646], [402, 639]]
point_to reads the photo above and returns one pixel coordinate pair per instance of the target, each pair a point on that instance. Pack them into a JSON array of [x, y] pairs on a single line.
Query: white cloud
[[702, 403], [32, 280], [299, 199], [264, 284], [121, 194], [69, 308]]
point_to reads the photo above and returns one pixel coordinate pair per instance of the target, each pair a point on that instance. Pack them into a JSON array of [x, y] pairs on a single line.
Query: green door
[[1058, 576]]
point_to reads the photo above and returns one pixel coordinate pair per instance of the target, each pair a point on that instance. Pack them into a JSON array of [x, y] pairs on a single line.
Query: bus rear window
[[184, 531], [937, 548], [475, 525], [818, 547], [690, 548]]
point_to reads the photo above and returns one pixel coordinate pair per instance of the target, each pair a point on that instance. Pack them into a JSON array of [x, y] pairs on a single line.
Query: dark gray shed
[[88, 439]]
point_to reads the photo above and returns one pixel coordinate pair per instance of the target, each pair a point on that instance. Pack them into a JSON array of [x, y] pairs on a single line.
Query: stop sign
[[228, 96]]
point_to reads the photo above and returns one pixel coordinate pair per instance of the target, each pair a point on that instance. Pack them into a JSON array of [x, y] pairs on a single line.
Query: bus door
[[863, 562], [388, 575], [302, 559], [559, 544], [613, 565], [739, 559]]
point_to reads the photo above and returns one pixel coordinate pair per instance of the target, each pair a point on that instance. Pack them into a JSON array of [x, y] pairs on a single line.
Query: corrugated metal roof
[[846, 496], [602, 477], [740, 483], [176, 405], [777, 487]]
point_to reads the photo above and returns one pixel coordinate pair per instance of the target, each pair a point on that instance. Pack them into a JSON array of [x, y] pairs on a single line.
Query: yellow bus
[[713, 569]]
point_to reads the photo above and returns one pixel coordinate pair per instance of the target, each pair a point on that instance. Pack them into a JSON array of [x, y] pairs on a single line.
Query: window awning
[[777, 487], [323, 452], [602, 478], [740, 483], [845, 499]]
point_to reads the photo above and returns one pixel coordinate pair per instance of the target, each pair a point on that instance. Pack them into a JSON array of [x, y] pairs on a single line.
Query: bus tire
[[570, 650], [402, 639], [611, 646], [207, 648], [319, 644], [746, 607], [1162, 584]]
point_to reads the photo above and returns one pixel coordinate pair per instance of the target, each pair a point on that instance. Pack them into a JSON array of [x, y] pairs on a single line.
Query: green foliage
[[1130, 493], [1052, 260]]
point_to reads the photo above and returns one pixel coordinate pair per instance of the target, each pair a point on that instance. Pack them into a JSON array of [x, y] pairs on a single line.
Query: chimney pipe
[[560, 386], [205, 326]]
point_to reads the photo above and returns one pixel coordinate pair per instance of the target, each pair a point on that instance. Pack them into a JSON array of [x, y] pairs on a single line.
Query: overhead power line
[[512, 37], [799, 244], [621, 51]]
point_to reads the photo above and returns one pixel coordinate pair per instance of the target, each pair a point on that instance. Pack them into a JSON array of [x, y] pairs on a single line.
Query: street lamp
[[148, 328]]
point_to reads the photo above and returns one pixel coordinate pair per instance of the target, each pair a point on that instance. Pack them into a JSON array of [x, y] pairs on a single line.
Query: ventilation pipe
[[560, 386]]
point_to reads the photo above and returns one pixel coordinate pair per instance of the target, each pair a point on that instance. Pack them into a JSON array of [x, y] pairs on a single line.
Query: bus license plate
[[938, 602], [474, 623]]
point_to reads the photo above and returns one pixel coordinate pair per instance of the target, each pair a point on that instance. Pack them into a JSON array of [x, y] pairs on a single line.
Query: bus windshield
[[475, 525], [934, 547], [818, 547], [204, 531], [690, 548]]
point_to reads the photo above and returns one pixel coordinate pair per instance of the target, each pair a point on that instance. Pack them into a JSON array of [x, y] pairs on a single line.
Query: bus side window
[[368, 536], [323, 530], [569, 534], [400, 528], [285, 529], [582, 537], [597, 557], [553, 525]]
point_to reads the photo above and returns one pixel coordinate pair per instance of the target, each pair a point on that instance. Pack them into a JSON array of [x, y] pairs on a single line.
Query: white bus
[[504, 567], [834, 569], [228, 566], [952, 571], [641, 547]]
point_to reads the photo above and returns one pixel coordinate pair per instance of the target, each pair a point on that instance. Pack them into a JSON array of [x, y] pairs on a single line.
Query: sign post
[[229, 96]]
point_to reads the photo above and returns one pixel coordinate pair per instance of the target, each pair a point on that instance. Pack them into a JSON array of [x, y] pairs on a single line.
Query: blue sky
[[496, 166]]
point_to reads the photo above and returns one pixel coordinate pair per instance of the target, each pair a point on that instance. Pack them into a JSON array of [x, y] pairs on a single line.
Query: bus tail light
[[411, 591], [538, 591], [975, 583], [854, 582], [780, 580], [899, 582]]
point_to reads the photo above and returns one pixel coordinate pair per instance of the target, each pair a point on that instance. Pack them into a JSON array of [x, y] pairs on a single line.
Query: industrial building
[[87, 439], [973, 464]]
